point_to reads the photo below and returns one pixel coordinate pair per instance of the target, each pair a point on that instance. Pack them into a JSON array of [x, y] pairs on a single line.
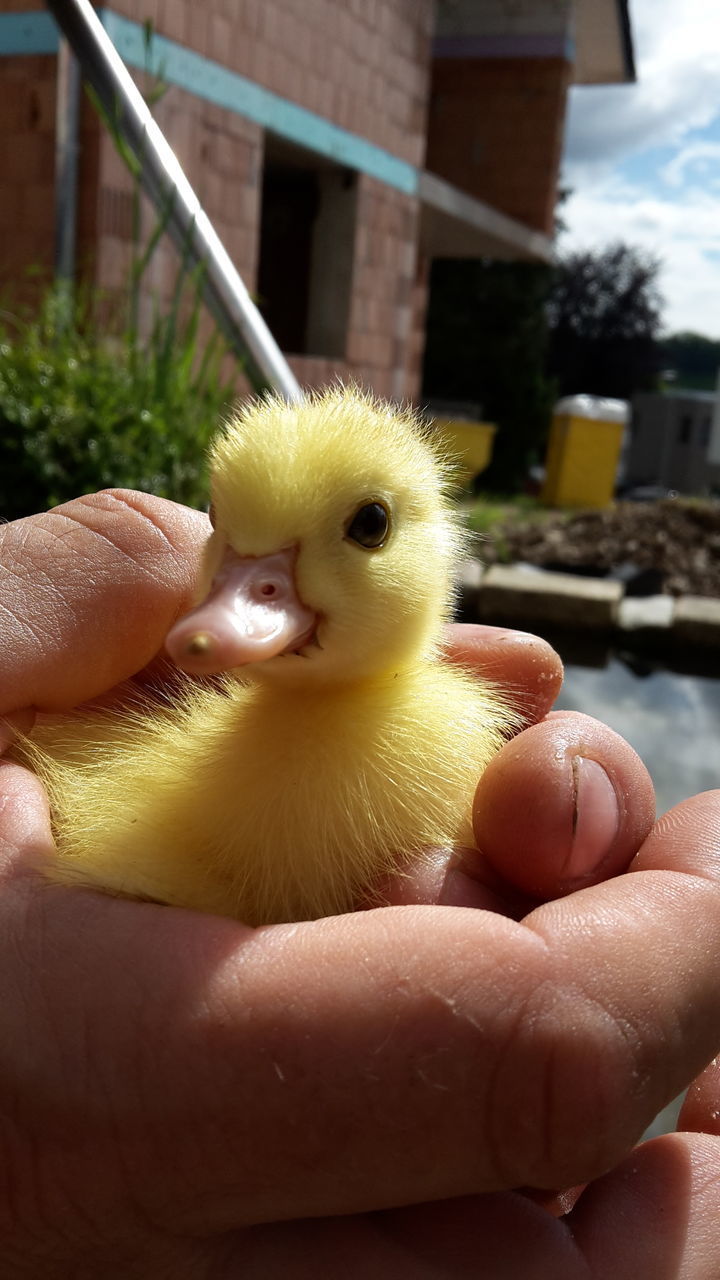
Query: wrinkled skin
[[181, 1096]]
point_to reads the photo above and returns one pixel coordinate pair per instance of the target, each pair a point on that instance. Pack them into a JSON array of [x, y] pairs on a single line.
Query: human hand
[[172, 1080]]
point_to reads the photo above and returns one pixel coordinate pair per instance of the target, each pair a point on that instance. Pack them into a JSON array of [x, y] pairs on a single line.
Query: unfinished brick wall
[[27, 128], [495, 129], [384, 350], [416, 345], [385, 264], [221, 154], [363, 64]]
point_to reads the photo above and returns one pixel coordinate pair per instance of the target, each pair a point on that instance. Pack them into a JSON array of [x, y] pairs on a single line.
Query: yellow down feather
[[288, 790]]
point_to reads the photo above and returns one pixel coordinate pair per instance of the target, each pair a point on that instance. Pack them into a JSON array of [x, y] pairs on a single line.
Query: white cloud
[[673, 209], [684, 234], [699, 161], [677, 45]]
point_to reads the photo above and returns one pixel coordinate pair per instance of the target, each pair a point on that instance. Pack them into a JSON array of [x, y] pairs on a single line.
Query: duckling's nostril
[[252, 613], [199, 644]]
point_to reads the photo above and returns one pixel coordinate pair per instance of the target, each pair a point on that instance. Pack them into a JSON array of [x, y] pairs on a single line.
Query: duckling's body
[[319, 795], [347, 751]]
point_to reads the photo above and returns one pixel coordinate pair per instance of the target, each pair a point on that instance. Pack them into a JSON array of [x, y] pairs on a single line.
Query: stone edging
[[525, 594]]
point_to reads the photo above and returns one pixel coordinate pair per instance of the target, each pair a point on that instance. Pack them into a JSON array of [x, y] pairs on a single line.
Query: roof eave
[[627, 41], [456, 225], [604, 51]]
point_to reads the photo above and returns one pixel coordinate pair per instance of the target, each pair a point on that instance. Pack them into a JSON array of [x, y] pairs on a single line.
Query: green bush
[[86, 404], [80, 412]]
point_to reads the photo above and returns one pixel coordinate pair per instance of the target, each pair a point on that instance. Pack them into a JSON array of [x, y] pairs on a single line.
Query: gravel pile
[[671, 546]]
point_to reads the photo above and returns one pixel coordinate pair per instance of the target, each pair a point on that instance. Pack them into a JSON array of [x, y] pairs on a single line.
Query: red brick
[[11, 203], [28, 157], [249, 15], [151, 12], [219, 42], [37, 206], [14, 109], [30, 69], [173, 19], [198, 24], [509, 154], [18, 6], [41, 106]]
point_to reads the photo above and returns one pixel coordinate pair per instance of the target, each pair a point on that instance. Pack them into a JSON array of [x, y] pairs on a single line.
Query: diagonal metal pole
[[165, 183], [66, 156]]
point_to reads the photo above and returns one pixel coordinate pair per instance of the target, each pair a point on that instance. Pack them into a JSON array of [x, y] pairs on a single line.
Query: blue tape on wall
[[215, 83], [28, 33]]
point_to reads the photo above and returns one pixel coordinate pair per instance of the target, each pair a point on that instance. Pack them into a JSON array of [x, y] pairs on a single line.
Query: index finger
[[523, 665], [88, 592]]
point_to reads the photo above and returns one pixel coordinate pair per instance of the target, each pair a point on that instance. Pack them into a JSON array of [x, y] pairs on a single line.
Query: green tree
[[605, 316], [694, 359], [486, 343]]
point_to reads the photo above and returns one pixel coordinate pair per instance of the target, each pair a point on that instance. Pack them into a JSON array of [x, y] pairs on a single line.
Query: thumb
[[565, 804]]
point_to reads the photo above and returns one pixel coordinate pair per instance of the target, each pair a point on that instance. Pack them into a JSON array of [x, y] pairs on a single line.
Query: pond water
[[671, 718], [664, 701]]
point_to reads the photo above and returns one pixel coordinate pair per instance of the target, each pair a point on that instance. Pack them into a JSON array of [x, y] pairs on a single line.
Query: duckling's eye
[[369, 526]]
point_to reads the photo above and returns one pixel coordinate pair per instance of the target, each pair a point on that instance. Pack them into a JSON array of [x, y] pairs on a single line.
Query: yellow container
[[584, 451], [469, 443]]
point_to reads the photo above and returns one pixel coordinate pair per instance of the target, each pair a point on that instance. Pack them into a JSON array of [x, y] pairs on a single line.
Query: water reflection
[[664, 700], [670, 718]]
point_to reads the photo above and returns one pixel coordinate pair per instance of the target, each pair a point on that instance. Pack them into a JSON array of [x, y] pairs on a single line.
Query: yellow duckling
[[337, 745]]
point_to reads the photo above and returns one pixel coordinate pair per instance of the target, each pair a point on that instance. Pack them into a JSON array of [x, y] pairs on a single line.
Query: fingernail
[[596, 818]]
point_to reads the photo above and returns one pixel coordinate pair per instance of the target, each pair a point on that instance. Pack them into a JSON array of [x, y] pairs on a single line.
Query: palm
[[183, 1096]]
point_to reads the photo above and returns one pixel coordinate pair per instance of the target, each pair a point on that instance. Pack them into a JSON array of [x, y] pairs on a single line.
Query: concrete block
[[697, 620], [469, 580], [639, 613], [562, 599]]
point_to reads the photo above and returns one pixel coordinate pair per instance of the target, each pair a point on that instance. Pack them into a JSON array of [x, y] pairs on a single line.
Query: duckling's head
[[333, 546]]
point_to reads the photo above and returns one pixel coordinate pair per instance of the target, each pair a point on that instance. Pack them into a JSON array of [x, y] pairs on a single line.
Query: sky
[[643, 161]]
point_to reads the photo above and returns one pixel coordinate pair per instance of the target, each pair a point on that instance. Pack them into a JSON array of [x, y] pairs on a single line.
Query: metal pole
[[164, 181], [66, 155]]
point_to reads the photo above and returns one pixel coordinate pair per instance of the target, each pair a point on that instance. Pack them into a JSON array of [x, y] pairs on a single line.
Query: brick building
[[337, 145]]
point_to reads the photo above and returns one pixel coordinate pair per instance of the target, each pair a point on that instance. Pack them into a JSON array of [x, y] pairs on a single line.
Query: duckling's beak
[[251, 613]]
